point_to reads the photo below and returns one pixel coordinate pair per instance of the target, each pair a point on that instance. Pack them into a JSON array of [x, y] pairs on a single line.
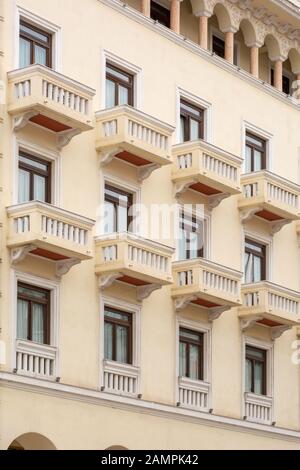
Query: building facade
[[149, 176]]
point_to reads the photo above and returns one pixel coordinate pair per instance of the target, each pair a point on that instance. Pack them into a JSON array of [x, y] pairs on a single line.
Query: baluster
[[47, 366], [61, 96], [72, 100], [36, 364], [19, 360]]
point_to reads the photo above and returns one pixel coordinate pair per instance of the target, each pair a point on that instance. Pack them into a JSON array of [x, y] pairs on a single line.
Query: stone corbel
[[63, 266], [181, 187], [108, 279], [214, 201], [106, 156], [18, 254], [276, 226], [143, 172], [22, 120], [247, 214], [277, 331], [181, 302], [142, 292], [64, 137], [215, 312], [247, 323]]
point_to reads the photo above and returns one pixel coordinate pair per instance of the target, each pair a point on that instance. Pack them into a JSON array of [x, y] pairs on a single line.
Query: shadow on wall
[[31, 441]]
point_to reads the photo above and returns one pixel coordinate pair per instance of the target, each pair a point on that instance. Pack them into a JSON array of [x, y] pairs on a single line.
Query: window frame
[[33, 171], [193, 216], [200, 346], [182, 94], [254, 147], [263, 268], [129, 86], [115, 323], [187, 120], [161, 12], [220, 35], [120, 191], [34, 41], [253, 361], [262, 134]]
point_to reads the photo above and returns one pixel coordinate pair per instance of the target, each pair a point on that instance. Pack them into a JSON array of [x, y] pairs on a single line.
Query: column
[[254, 61], [229, 46], [203, 31], [146, 7], [278, 74], [175, 16]]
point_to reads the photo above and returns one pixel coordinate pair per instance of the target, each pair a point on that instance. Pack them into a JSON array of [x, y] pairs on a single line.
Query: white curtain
[[37, 323], [24, 53], [22, 319], [122, 340], [108, 341], [40, 55]]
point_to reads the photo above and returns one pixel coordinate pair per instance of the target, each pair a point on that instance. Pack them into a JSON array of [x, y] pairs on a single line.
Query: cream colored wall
[[233, 101]]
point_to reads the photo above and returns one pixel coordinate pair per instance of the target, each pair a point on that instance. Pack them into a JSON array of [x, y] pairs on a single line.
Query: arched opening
[[116, 447], [268, 54], [246, 38], [31, 441], [218, 24]]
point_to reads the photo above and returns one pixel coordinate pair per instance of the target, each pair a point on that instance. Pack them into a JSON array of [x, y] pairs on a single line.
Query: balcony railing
[[269, 196], [133, 259], [45, 97], [133, 136], [207, 169], [122, 379], [207, 284], [35, 359], [270, 305], [193, 394], [49, 231], [258, 408]]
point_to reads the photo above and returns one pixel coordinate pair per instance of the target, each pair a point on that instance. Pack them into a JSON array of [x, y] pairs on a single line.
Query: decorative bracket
[[18, 254], [215, 312], [108, 155], [181, 187], [63, 266], [276, 331], [143, 172], [142, 292], [181, 302], [214, 201], [247, 214], [64, 137], [22, 120], [246, 323], [276, 226], [108, 279]]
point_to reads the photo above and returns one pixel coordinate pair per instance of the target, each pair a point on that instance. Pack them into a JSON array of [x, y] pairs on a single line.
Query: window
[[191, 121], [117, 208], [33, 313], [191, 236], [190, 354], [119, 87], [255, 380], [255, 156], [34, 179], [35, 46], [255, 261], [218, 46], [286, 82], [160, 14], [117, 335]]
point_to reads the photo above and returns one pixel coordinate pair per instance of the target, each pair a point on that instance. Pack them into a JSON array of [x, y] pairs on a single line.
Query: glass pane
[[35, 34], [22, 319], [248, 160], [248, 374], [256, 353], [110, 219], [108, 341], [39, 188], [24, 53], [110, 94], [188, 334], [255, 141], [118, 74], [193, 244], [123, 95], [32, 292], [33, 163], [194, 362], [258, 378], [38, 325], [182, 244], [256, 269], [191, 110], [257, 160], [122, 219], [40, 55], [194, 130], [117, 315], [122, 343], [182, 121], [182, 360], [248, 268], [24, 184], [254, 246]]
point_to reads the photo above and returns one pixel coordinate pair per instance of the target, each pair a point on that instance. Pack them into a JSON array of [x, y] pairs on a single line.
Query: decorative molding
[[247, 214], [181, 302], [106, 156], [63, 266], [64, 137], [20, 253], [145, 171], [247, 323], [215, 312], [108, 279], [22, 120], [182, 187], [277, 226], [142, 292], [277, 331], [214, 201]]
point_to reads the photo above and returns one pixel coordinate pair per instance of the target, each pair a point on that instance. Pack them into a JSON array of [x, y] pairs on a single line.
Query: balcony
[[206, 284], [49, 232], [35, 359], [193, 394], [122, 379], [134, 260], [42, 96], [207, 169], [268, 304], [132, 136], [269, 197], [258, 408]]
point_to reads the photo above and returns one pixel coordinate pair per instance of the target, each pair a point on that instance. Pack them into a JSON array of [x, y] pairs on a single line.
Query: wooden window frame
[[45, 303], [194, 219], [34, 41], [116, 205], [254, 147], [199, 344], [263, 269], [187, 118], [117, 322], [35, 171], [129, 85], [254, 360], [160, 14]]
